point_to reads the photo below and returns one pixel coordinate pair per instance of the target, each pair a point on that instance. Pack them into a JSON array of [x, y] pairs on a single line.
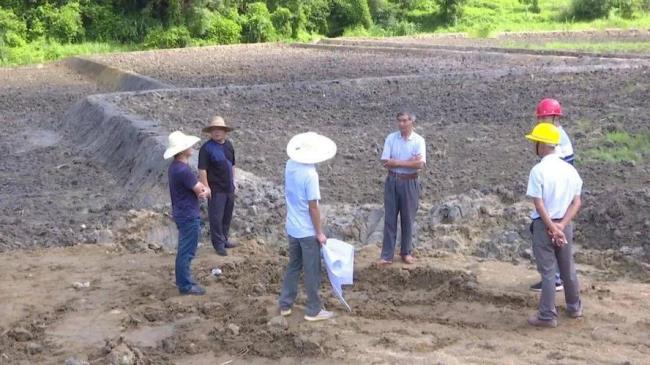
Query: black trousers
[[220, 209]]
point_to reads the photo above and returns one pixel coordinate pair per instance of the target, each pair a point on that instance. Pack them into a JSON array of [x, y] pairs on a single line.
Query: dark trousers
[[304, 255], [220, 209], [188, 240], [549, 258], [401, 197]]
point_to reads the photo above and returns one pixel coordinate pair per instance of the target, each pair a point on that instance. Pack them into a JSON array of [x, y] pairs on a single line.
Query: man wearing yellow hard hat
[[555, 188]]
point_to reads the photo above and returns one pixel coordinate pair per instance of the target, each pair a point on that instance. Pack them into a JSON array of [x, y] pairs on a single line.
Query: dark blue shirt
[[218, 159], [185, 204]]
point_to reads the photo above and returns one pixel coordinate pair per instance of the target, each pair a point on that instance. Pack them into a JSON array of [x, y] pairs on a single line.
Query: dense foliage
[[47, 24]]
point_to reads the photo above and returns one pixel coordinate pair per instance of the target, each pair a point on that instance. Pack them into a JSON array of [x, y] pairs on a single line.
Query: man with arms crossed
[[403, 156]]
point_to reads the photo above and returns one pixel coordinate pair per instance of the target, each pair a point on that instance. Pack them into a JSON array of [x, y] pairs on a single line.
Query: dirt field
[[464, 302]]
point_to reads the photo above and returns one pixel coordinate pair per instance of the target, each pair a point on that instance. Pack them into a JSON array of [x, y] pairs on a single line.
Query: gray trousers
[[220, 210], [304, 255], [547, 257], [401, 197]]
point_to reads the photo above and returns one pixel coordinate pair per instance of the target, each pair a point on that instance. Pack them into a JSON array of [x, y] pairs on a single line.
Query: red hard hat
[[549, 108]]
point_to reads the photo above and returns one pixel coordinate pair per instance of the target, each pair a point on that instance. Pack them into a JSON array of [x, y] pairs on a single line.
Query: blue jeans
[[188, 240], [304, 255]]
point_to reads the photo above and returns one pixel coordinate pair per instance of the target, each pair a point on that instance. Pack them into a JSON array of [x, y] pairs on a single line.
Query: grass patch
[[620, 146], [44, 51], [492, 16], [596, 47]]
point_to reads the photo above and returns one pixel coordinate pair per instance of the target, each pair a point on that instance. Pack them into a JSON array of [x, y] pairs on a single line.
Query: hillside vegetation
[[39, 30]]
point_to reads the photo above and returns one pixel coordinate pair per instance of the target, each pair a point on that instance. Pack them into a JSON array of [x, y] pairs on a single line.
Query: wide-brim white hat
[[179, 142], [310, 148]]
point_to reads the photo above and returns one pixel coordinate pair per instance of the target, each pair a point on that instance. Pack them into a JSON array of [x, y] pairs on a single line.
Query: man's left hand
[[391, 163]]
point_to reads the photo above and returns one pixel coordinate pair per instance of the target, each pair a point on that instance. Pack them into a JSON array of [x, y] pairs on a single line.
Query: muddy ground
[[466, 299], [261, 64], [50, 194], [447, 309], [473, 124]]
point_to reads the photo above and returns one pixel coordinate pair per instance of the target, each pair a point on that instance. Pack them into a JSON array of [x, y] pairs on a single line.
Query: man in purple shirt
[[185, 191]]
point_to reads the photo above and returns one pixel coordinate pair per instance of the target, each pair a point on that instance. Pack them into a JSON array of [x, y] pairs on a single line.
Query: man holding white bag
[[302, 194]]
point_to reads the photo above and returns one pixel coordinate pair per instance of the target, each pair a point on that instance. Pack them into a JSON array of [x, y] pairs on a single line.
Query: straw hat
[[310, 148], [217, 122], [179, 142]]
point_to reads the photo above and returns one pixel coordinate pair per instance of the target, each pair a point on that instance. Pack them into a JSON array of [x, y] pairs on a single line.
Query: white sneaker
[[285, 312], [321, 316]]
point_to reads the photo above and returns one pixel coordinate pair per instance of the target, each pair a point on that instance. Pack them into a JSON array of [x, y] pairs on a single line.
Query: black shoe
[[221, 251], [538, 287], [194, 290], [231, 245]]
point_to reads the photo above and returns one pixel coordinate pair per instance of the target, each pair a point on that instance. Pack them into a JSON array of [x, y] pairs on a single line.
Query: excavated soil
[[466, 299], [446, 309]]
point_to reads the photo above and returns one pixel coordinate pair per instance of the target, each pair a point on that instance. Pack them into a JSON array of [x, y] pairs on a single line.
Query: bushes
[[590, 9], [224, 31], [257, 25], [175, 37], [348, 14], [281, 19], [450, 10], [65, 23], [13, 31]]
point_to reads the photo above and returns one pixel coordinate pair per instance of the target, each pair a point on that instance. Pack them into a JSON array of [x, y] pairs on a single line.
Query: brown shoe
[[408, 259], [536, 322], [575, 315]]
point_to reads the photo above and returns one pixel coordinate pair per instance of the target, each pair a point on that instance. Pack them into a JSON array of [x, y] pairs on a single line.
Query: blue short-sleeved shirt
[[300, 186], [185, 204], [218, 159]]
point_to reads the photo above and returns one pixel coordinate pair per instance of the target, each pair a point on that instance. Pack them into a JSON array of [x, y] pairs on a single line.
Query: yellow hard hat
[[545, 133]]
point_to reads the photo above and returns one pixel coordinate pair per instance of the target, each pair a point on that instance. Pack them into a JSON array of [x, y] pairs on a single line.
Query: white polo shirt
[[300, 186], [565, 148], [556, 183], [398, 148]]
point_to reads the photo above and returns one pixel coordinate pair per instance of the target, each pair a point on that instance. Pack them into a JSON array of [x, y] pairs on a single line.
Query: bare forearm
[[543, 214], [571, 212], [203, 177], [314, 213]]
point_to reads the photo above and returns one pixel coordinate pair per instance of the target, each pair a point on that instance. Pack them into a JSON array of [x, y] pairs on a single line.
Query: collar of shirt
[[549, 157]]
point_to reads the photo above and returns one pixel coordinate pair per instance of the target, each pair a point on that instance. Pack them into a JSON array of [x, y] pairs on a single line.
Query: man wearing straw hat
[[403, 156], [217, 170], [302, 194], [185, 192]]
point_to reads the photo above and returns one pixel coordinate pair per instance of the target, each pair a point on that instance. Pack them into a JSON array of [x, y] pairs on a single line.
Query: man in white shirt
[[555, 188], [302, 194], [550, 111], [403, 156]]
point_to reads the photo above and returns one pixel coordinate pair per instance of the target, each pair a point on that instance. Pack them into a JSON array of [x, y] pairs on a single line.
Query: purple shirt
[[185, 204]]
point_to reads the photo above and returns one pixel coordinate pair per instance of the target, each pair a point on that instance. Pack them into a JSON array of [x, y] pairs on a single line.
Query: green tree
[[258, 26], [348, 14], [450, 10], [13, 30], [281, 19], [590, 9]]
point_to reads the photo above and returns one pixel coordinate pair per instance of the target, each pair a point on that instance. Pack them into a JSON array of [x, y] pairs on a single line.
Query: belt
[[413, 176], [554, 220]]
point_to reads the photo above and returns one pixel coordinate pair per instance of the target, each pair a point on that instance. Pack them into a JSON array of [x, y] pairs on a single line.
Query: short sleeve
[[578, 187], [535, 187], [188, 178], [312, 188], [204, 158], [386, 153], [422, 149]]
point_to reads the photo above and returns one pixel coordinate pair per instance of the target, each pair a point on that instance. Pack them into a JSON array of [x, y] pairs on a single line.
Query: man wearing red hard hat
[[550, 111]]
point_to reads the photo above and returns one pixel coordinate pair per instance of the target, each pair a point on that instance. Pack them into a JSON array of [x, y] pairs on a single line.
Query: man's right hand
[[321, 238], [207, 193], [557, 236]]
